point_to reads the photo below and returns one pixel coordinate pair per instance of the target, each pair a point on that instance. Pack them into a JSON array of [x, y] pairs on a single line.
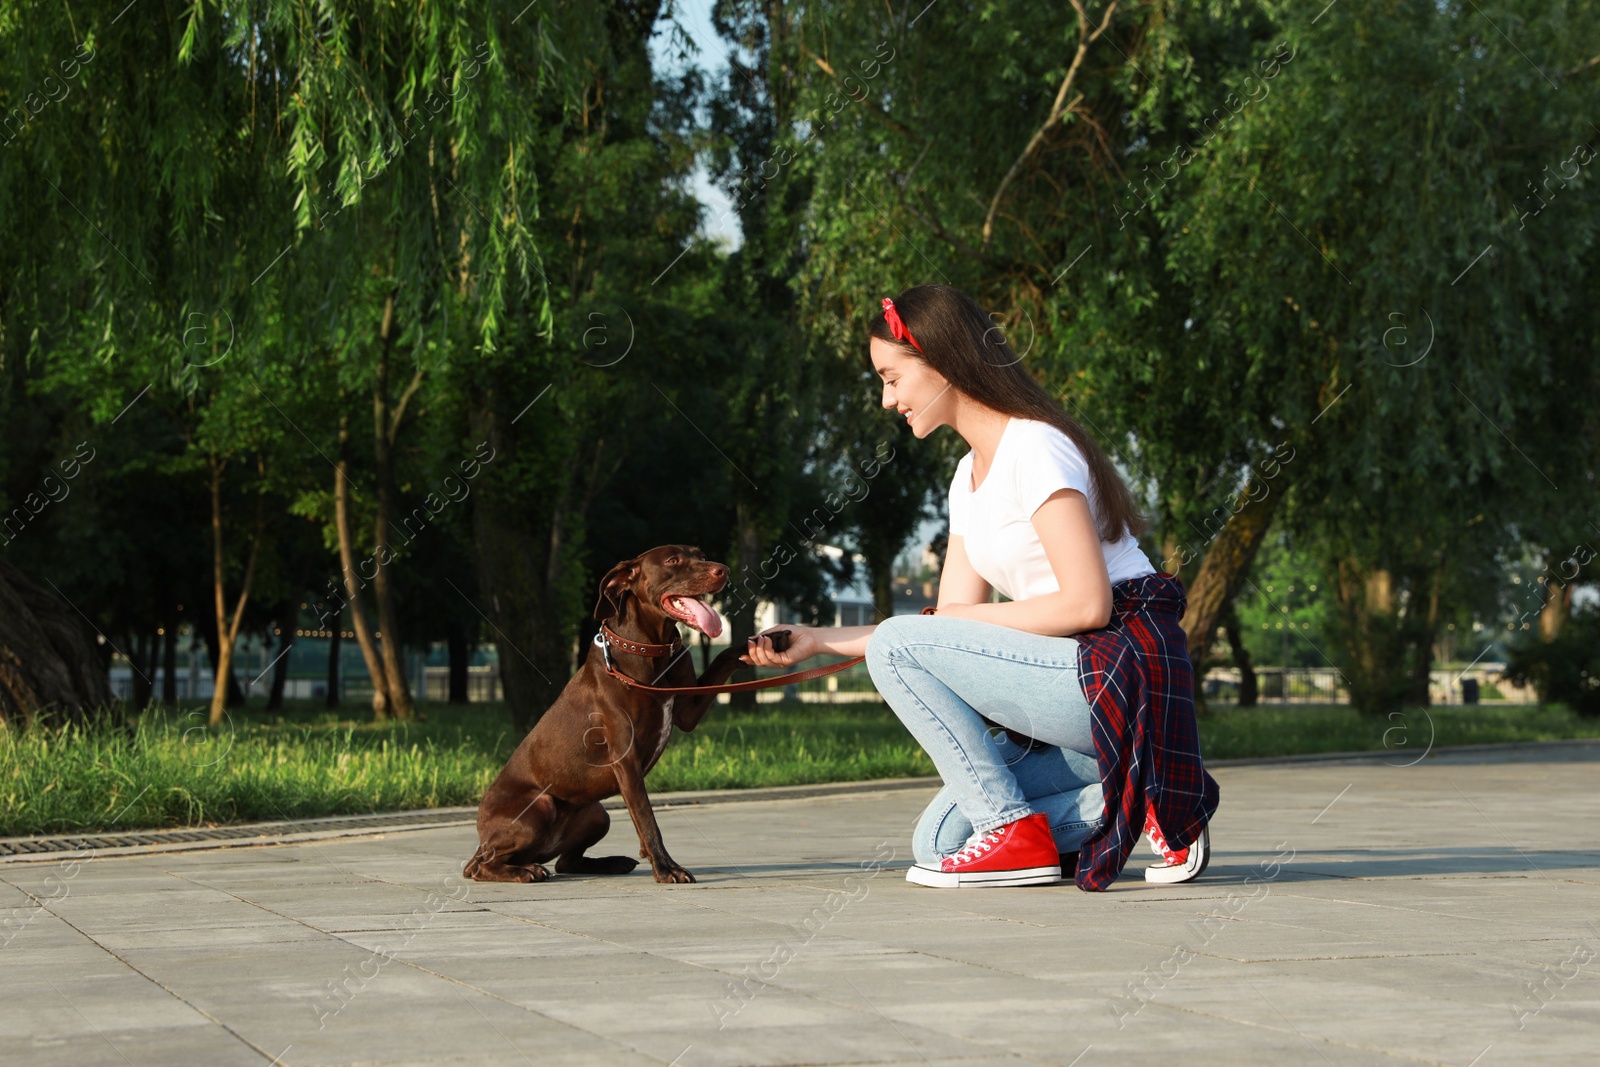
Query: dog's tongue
[[708, 621]]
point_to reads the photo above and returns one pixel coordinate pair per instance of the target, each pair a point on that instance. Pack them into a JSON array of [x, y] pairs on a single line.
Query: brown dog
[[602, 736]]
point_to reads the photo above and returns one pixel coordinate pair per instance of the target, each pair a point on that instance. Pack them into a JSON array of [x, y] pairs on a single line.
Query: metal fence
[[1484, 683], [1275, 685]]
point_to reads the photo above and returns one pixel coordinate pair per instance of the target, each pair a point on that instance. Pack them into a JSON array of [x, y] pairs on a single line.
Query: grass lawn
[[167, 769]]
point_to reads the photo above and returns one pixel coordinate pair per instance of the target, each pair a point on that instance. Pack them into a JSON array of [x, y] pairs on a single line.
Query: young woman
[[1048, 743]]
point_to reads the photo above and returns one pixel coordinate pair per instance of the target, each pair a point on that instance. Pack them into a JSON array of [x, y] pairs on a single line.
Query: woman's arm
[[1071, 543], [844, 640], [958, 582], [1083, 602], [805, 642]]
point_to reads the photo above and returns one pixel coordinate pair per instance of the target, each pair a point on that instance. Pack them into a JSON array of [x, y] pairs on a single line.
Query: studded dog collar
[[638, 648]]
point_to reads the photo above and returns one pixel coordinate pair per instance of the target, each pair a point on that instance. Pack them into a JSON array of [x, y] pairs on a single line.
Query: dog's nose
[[718, 571]]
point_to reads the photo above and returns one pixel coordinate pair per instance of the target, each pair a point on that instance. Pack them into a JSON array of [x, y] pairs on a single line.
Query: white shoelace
[[977, 848]]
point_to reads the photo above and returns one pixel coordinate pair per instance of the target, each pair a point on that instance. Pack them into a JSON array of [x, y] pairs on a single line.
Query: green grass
[[166, 769]]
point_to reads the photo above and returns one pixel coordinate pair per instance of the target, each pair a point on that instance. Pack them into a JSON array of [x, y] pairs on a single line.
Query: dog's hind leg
[[509, 847], [585, 829], [487, 865]]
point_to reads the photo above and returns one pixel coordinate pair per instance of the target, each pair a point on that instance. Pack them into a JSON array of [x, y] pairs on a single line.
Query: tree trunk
[[384, 426], [49, 666], [335, 675], [528, 617], [742, 624], [142, 658], [1373, 639], [1424, 626], [883, 589], [169, 665], [208, 634], [599, 475], [1421, 671], [1172, 559], [1248, 690], [460, 657], [1556, 611], [228, 628], [527, 627], [352, 580], [288, 615], [1226, 565]]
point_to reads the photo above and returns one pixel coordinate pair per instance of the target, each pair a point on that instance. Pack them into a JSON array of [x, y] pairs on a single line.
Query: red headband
[[897, 326]]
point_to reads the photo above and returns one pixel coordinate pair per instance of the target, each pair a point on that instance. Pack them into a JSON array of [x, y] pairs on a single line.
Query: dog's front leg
[[689, 709], [630, 781]]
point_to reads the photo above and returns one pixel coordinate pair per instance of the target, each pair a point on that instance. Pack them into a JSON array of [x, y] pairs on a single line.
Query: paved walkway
[[1354, 913]]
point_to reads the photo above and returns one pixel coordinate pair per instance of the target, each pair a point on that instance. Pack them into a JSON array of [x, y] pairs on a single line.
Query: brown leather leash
[[607, 638]]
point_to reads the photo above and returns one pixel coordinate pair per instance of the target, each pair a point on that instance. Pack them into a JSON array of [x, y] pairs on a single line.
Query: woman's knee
[[885, 635], [896, 632], [888, 636]]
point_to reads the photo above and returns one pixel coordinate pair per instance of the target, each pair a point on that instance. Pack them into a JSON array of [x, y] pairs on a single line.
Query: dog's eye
[[673, 562]]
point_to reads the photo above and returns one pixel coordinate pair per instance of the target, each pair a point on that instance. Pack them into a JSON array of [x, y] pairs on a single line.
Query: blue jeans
[[942, 677]]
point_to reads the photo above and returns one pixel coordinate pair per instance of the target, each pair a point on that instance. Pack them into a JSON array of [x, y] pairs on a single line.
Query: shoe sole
[[1163, 874], [927, 876]]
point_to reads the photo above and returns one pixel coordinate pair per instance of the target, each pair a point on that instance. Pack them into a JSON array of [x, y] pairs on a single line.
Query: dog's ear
[[617, 583]]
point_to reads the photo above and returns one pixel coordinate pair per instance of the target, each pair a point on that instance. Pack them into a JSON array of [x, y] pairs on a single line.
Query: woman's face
[[921, 394]]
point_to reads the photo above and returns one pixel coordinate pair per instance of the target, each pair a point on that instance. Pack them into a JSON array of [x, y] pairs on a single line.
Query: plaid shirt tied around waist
[[1139, 682]]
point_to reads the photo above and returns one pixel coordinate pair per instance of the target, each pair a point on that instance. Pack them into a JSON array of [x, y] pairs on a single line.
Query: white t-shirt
[[1033, 460]]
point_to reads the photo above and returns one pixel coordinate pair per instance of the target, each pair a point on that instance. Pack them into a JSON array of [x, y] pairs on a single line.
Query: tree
[[1219, 229], [49, 665]]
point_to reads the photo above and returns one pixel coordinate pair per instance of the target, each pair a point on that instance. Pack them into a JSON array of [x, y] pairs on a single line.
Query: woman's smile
[[908, 378]]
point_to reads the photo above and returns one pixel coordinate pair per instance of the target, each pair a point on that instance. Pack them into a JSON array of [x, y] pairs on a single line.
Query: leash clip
[[605, 648]]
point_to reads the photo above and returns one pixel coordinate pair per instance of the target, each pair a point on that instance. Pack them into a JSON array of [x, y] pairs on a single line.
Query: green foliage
[[1565, 669], [1262, 226], [1285, 608], [1237, 240]]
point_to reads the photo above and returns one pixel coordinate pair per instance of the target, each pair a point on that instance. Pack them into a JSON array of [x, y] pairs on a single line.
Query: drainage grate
[[21, 846], [18, 848]]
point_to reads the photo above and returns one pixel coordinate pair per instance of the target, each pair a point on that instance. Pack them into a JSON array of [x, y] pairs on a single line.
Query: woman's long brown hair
[[962, 344]]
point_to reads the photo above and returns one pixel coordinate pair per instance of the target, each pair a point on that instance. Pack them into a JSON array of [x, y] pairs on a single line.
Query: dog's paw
[[499, 872], [595, 864], [673, 875]]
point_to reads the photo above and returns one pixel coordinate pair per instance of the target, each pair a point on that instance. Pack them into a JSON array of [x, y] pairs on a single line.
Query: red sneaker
[[1177, 865], [1158, 842], [1019, 853]]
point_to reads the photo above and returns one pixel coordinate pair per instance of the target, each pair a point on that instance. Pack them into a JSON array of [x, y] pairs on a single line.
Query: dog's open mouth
[[695, 612]]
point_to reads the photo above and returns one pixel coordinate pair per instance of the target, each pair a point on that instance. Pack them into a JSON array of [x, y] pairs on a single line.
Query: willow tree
[[412, 137], [608, 361], [135, 186]]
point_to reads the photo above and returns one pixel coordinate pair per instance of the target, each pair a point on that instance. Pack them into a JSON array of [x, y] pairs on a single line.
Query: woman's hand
[[802, 646]]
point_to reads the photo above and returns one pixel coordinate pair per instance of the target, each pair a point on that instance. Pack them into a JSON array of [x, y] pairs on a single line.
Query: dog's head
[[665, 583]]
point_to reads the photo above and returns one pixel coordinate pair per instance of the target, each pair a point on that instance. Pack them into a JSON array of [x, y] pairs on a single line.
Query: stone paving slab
[[1355, 912]]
